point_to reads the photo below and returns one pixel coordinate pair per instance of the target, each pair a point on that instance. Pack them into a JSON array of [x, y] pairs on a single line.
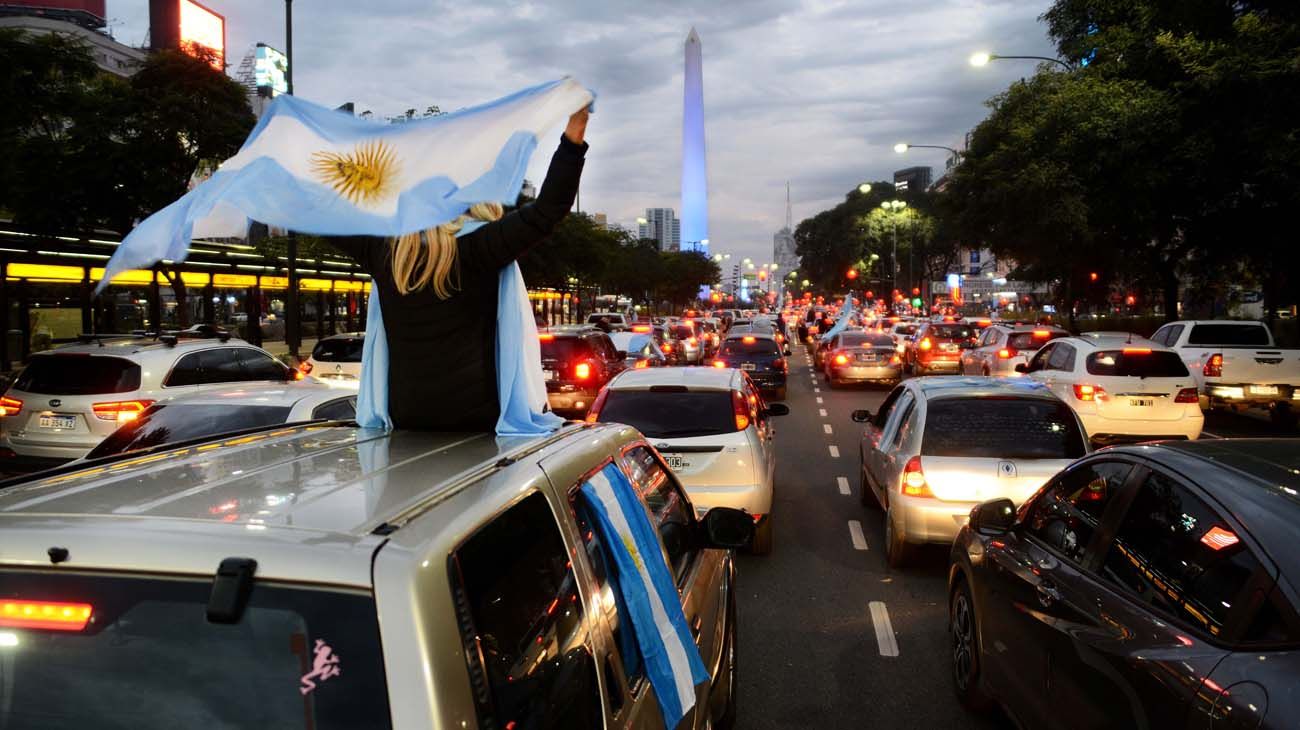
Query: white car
[[1123, 389], [66, 400], [713, 429], [902, 332], [336, 360], [617, 320]]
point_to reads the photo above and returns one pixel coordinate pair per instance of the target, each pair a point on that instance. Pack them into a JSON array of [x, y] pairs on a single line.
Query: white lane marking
[[1211, 435], [843, 484], [821, 412], [817, 390], [827, 428], [884, 630], [855, 534], [819, 399], [835, 451]]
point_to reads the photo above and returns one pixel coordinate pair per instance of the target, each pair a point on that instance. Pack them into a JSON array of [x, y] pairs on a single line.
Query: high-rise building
[[662, 225], [913, 179], [82, 19], [695, 192], [783, 249]]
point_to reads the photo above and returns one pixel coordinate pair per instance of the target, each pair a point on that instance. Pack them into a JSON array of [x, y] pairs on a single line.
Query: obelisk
[[695, 191]]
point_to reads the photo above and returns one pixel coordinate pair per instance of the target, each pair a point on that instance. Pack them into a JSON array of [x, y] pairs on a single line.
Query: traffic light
[[851, 274], [1092, 276], [916, 291], [871, 294]]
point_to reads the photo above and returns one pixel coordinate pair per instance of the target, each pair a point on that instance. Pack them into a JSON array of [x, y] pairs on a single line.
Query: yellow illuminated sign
[[233, 281]]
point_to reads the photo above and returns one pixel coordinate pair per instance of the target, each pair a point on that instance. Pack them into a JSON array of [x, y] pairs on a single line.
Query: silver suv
[[332, 577], [67, 400]]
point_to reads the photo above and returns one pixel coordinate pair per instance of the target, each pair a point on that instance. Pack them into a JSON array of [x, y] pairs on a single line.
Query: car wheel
[[727, 719], [865, 494], [780, 393], [762, 542], [963, 629], [897, 551]]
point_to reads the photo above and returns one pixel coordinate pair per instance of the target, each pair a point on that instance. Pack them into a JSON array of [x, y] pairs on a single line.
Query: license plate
[[552, 375], [748, 366], [675, 462], [948, 347], [58, 421], [1263, 389], [1141, 402]]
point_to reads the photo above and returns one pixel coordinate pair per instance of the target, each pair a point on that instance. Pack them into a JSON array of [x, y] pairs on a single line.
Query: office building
[[662, 225], [913, 179]]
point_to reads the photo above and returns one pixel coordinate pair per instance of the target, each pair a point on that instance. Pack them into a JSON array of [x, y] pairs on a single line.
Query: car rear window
[[682, 331], [564, 349], [346, 349], [1229, 334], [759, 346], [866, 341], [1001, 427], [951, 331], [78, 375], [1139, 364], [1028, 341], [149, 658], [173, 423], [906, 329], [678, 414]]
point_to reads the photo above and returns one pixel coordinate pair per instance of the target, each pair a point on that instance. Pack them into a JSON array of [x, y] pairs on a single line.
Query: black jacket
[[442, 352]]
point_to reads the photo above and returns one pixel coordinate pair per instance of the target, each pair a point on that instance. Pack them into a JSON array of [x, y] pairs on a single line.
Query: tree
[[684, 274]]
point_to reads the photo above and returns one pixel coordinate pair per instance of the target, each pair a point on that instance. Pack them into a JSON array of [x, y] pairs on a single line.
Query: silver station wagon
[[325, 576]]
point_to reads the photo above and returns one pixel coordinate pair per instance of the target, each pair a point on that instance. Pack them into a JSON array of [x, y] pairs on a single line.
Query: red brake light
[[10, 406], [1187, 395], [1214, 366], [719, 364], [305, 367], [641, 328], [926, 344], [1137, 350], [1006, 353], [641, 365], [51, 615], [781, 365], [593, 414], [692, 341], [582, 370], [1089, 392], [914, 479], [129, 410], [895, 360], [841, 360], [546, 337], [299, 375], [1042, 333], [740, 407], [748, 340]]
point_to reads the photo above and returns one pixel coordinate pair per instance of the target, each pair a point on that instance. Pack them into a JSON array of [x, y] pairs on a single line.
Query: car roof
[[1017, 328], [964, 386], [1110, 343], [138, 345], [736, 334], [310, 502], [693, 378], [263, 394], [345, 336]]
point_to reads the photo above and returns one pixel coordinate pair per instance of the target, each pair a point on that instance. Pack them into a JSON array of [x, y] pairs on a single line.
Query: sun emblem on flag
[[631, 550], [364, 176]]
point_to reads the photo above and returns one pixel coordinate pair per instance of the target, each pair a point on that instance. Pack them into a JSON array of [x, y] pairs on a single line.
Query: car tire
[[963, 634], [897, 551], [866, 495], [762, 542], [727, 720], [780, 393]]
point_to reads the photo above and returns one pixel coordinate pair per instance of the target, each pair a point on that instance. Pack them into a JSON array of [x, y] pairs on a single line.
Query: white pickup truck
[[1238, 365]]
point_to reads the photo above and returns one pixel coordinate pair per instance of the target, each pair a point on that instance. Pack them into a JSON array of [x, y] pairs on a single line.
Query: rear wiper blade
[[686, 432]]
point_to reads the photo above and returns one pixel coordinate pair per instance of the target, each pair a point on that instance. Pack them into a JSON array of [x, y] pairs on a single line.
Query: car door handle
[[1047, 593]]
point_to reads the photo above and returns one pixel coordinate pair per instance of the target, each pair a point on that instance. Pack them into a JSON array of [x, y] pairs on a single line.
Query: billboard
[[203, 33], [270, 71]]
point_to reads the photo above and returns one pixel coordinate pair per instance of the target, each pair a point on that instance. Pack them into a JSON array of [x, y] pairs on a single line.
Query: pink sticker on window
[[325, 665]]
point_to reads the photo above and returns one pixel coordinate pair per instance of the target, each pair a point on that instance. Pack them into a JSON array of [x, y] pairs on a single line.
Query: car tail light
[[1137, 350], [1214, 366], [1086, 392], [692, 341], [50, 615], [1188, 395], [641, 328], [926, 344], [641, 365], [305, 367], [841, 360], [298, 374], [895, 360], [593, 414], [667, 348], [780, 364], [122, 411], [748, 340], [740, 407], [719, 364], [914, 479], [582, 371], [10, 406], [1038, 334], [1007, 353], [546, 337]]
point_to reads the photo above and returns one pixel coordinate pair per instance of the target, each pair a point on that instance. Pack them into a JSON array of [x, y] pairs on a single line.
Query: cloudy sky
[[815, 92]]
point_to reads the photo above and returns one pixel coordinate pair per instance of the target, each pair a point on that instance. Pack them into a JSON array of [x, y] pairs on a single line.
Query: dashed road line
[[835, 451], [827, 428], [855, 534], [817, 390], [819, 399], [843, 484], [885, 638], [821, 412]]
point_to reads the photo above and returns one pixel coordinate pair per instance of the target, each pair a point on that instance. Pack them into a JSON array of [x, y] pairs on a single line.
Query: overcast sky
[[811, 91]]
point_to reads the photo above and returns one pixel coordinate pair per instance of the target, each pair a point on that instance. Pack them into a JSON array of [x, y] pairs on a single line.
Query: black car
[[1143, 586], [759, 356], [577, 364]]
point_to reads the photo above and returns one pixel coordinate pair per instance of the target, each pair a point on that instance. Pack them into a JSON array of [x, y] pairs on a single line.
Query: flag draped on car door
[[316, 170], [672, 660]]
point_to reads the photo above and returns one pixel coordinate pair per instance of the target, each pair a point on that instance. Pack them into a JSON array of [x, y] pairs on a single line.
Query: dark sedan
[[1144, 586], [760, 357]]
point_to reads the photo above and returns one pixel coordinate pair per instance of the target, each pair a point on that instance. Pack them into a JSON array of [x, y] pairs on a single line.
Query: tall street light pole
[[292, 322], [902, 147], [893, 206], [982, 59]]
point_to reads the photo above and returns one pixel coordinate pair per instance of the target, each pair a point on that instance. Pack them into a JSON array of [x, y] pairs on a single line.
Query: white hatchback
[[713, 429], [1122, 388]]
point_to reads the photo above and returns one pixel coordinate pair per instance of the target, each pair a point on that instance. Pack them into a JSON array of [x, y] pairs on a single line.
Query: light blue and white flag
[[841, 322], [315, 170], [672, 661]]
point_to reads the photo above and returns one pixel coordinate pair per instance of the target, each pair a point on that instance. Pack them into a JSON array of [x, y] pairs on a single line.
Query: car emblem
[[55, 403], [338, 368], [1006, 469], [661, 447]]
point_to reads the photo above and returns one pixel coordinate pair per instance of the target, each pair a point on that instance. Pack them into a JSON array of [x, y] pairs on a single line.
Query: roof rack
[[87, 338]]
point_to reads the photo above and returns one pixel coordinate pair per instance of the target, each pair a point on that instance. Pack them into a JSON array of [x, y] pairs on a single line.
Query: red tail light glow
[[1187, 395], [748, 340], [641, 328], [914, 479], [1214, 366], [10, 406], [641, 365], [692, 341], [719, 364], [926, 343], [740, 407], [129, 410], [1089, 392], [841, 360], [895, 360], [780, 364], [1006, 353], [1042, 333], [546, 337], [305, 367], [50, 615], [1137, 350], [582, 371]]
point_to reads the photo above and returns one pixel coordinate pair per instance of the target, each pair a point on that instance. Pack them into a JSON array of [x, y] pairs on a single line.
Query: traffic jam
[[1058, 494]]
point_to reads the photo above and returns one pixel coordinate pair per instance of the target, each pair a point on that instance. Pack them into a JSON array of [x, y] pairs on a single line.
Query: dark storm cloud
[[811, 91]]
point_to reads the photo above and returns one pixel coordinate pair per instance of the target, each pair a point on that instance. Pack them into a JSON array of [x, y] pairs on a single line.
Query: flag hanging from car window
[[842, 322]]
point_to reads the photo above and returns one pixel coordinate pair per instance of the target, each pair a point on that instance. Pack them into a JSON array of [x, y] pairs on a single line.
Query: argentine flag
[[312, 169], [841, 322], [672, 661]]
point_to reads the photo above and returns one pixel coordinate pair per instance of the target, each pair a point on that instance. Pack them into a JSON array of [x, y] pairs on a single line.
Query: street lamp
[[642, 221], [894, 206], [981, 59], [864, 188], [903, 147]]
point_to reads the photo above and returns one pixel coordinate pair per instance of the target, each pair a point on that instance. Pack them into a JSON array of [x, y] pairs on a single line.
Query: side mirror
[[862, 415], [622, 354], [728, 528], [777, 409], [995, 517], [1022, 367]]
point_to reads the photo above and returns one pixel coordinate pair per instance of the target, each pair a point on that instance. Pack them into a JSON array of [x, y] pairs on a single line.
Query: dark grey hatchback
[[1143, 586]]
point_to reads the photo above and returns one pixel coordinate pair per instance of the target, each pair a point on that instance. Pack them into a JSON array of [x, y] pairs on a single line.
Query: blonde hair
[[425, 258]]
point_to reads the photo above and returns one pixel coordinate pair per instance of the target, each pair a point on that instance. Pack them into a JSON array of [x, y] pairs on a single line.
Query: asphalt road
[[831, 637]]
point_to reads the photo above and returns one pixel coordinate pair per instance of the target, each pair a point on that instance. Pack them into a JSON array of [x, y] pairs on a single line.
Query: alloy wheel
[[963, 641]]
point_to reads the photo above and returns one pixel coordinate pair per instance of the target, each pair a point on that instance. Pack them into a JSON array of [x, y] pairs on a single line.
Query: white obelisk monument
[[695, 192]]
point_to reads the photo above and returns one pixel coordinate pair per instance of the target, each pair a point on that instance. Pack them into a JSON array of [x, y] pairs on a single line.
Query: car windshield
[[1137, 363], [169, 423], [1032, 340], [950, 332], [1227, 333], [78, 375], [749, 346], [677, 414], [342, 349], [148, 658], [1002, 428], [905, 329]]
